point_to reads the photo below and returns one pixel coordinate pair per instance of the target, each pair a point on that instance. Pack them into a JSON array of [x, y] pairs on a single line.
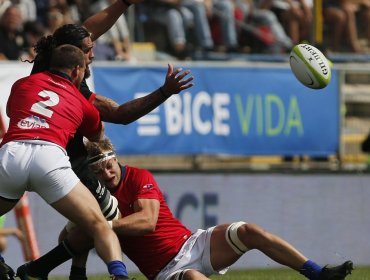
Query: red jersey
[[153, 251], [47, 106]]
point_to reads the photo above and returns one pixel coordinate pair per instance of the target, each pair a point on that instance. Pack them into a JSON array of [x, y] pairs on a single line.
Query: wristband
[[126, 2], [163, 93]]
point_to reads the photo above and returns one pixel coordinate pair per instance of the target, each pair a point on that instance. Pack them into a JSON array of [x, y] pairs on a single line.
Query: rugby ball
[[310, 66]]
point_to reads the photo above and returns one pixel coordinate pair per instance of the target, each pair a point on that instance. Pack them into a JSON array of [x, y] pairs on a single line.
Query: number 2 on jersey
[[43, 107]]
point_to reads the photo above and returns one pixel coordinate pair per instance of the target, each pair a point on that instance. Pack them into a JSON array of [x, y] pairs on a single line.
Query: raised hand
[[176, 81]]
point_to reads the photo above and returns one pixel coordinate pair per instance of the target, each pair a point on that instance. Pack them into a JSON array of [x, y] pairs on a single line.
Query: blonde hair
[[95, 148], [99, 151]]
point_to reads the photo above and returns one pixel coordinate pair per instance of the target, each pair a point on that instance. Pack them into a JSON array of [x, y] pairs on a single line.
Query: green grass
[[360, 273]]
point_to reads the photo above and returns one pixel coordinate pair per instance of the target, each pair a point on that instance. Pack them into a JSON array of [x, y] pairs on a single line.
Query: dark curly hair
[[72, 34]]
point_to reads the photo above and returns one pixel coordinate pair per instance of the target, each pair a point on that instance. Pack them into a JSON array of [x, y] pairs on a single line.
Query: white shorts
[[37, 166], [194, 254]]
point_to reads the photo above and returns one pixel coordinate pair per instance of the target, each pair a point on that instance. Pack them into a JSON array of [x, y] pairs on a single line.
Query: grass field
[[361, 273]]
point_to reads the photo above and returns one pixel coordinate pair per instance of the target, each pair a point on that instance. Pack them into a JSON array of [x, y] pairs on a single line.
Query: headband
[[101, 157]]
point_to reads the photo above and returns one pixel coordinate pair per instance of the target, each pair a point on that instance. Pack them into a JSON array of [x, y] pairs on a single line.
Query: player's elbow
[[150, 229], [150, 226]]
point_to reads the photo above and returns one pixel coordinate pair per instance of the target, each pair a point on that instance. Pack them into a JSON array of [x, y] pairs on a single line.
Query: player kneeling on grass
[[161, 246]]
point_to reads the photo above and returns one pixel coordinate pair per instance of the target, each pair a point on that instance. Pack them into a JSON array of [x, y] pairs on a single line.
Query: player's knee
[[235, 237], [243, 237], [100, 225], [62, 235], [94, 224]]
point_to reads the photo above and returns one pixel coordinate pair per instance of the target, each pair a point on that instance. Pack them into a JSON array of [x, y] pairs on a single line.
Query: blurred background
[[248, 141]]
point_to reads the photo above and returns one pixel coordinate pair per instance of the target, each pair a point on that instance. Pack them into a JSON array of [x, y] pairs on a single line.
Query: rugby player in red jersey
[[163, 248], [45, 111], [176, 80]]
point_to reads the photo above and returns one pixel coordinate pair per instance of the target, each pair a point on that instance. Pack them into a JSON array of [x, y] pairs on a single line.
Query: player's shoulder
[[41, 78], [27, 79], [138, 174], [138, 170]]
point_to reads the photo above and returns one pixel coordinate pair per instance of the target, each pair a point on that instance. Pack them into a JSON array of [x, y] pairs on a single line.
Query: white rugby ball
[[310, 66]]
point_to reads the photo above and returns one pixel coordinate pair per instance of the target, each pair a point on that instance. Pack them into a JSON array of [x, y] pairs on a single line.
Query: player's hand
[[177, 80]]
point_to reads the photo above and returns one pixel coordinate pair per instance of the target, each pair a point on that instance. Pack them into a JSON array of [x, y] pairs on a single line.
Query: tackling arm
[[143, 221]]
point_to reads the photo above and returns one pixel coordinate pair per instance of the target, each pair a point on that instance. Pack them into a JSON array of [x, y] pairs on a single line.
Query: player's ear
[[75, 71]]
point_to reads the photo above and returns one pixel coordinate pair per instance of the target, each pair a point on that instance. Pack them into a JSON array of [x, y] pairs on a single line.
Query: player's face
[[108, 172], [87, 48]]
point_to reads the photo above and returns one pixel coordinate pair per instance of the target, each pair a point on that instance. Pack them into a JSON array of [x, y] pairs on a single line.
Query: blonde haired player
[[165, 249]]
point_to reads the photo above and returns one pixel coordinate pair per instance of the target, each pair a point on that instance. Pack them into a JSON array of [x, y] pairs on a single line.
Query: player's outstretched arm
[[176, 81], [103, 20]]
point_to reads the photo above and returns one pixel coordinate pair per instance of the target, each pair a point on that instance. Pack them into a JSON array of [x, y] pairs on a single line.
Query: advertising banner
[[229, 110]]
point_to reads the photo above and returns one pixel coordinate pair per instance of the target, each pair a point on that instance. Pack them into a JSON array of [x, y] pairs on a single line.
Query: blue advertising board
[[229, 110]]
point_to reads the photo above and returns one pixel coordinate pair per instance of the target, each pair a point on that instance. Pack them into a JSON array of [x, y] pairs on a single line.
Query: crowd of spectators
[[187, 26], [24, 22]]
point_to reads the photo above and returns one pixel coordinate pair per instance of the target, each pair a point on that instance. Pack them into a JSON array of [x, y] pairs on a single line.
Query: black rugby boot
[[6, 272], [337, 272]]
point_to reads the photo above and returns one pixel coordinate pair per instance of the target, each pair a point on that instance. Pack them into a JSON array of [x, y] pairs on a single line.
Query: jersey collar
[[61, 74]]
